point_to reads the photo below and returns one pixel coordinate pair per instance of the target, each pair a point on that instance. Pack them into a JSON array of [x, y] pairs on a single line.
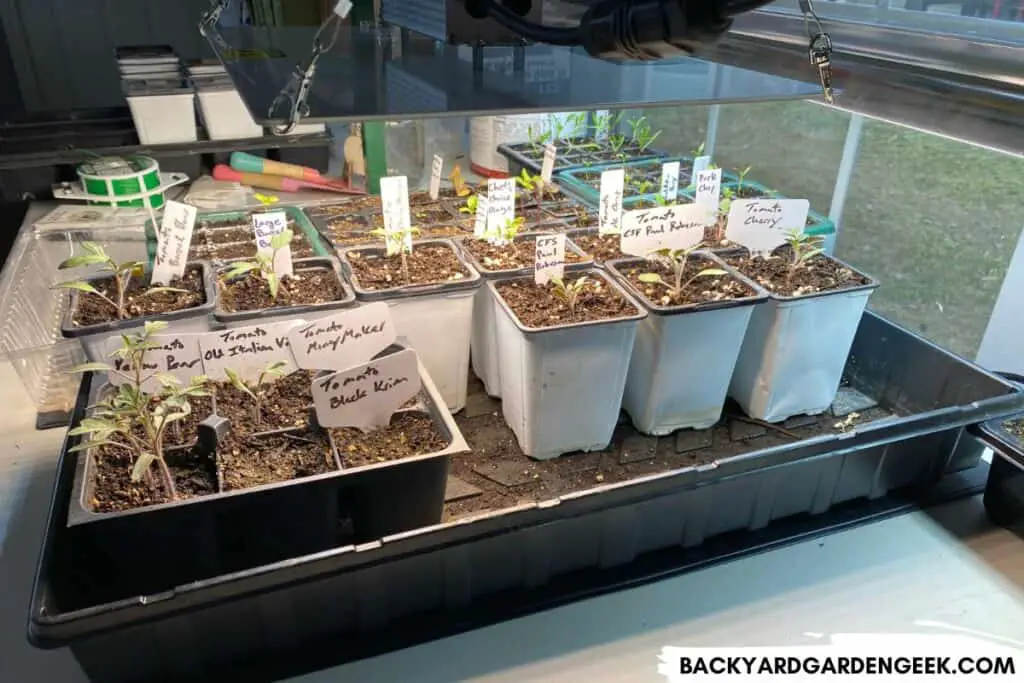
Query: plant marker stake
[[394, 197], [367, 395], [699, 164], [610, 206], [762, 225], [435, 176], [709, 189], [670, 181], [266, 226], [501, 205], [549, 258], [173, 238], [547, 166], [664, 227]]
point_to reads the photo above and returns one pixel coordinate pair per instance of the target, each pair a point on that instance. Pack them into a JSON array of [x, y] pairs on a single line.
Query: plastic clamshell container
[[223, 112], [229, 529], [683, 357], [530, 553], [562, 386], [309, 312], [795, 349], [94, 337], [163, 110], [483, 340], [436, 319]]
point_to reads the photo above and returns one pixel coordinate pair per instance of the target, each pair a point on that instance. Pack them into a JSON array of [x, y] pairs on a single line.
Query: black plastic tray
[[349, 602]]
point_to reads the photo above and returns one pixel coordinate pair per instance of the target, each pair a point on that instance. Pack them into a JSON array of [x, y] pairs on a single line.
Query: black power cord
[[634, 29]]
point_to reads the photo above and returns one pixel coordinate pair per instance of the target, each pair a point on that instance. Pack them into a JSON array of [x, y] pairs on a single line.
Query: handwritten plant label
[[610, 207], [549, 258], [175, 354], [265, 226], [699, 164], [367, 395], [480, 220], [345, 339], [173, 240], [761, 225], [435, 176], [394, 197], [501, 205], [709, 188], [670, 181], [247, 350], [670, 227], [547, 166]]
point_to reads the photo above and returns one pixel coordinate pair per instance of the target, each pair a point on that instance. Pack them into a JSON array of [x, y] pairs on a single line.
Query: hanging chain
[[819, 48], [295, 94]]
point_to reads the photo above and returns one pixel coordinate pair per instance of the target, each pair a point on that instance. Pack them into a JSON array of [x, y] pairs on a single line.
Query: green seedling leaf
[[711, 271], [160, 290], [81, 260], [281, 239], [650, 278], [240, 269], [79, 285], [89, 367], [151, 327], [167, 380]]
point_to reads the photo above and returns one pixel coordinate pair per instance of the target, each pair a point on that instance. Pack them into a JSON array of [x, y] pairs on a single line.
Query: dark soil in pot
[[439, 231], [539, 305], [249, 460], [351, 205], [251, 293], [695, 290], [346, 224], [284, 404], [113, 490], [410, 433], [243, 250], [425, 215], [427, 264], [601, 247], [92, 310], [819, 274], [749, 192], [516, 256]]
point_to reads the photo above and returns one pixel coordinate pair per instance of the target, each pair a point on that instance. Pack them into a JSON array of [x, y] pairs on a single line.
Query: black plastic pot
[[1004, 490], [279, 314], [486, 272], [144, 550], [318, 610], [93, 337], [405, 291], [517, 161]]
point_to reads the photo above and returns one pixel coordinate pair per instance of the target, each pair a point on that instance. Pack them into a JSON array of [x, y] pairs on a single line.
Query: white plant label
[[480, 220], [762, 225], [547, 166], [173, 239], [709, 188], [247, 350], [670, 181], [670, 227], [435, 176], [610, 207], [344, 339], [394, 198], [265, 226], [549, 258], [367, 395], [501, 205], [699, 164], [176, 354]]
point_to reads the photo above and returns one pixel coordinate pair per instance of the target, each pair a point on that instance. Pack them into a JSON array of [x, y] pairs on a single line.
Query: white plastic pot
[[437, 327], [683, 359], [562, 386], [795, 351], [483, 341], [436, 320]]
